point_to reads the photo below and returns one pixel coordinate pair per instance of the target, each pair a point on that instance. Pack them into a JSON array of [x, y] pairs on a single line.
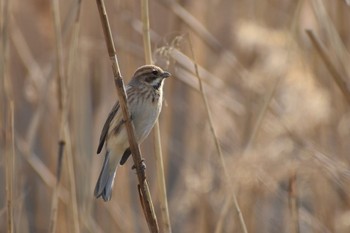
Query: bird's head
[[150, 75]]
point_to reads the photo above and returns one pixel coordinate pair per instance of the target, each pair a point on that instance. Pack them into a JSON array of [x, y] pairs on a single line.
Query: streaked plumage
[[145, 97]]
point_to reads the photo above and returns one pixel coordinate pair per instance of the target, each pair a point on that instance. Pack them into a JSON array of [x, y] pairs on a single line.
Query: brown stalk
[[322, 51], [293, 201], [146, 31], [144, 192], [73, 204], [10, 157], [54, 205], [7, 133], [59, 58], [156, 130], [217, 144], [70, 163], [4, 22], [62, 107]]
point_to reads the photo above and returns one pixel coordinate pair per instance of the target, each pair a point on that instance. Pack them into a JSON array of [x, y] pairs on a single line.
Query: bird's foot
[[142, 165]]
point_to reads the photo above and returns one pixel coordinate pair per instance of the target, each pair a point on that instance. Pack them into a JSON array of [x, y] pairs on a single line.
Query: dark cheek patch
[[149, 79]]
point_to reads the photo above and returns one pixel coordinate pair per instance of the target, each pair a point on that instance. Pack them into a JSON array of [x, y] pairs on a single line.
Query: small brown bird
[[145, 97]]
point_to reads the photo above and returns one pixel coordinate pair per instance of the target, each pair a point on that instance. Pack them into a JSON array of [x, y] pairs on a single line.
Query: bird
[[144, 97]]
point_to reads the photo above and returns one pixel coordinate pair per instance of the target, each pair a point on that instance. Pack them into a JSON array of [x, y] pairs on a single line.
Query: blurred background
[[279, 101]]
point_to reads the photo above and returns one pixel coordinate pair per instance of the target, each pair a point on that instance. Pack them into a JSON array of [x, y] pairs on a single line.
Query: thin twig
[[156, 130], [217, 145], [134, 147]]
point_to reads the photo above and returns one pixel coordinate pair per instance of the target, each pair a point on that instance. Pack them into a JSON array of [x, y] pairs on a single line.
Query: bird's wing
[[109, 120], [106, 126]]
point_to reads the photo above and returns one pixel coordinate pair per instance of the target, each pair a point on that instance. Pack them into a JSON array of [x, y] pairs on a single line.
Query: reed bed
[[254, 132]]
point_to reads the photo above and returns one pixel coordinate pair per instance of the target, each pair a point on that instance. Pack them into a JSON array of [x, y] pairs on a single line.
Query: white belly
[[144, 117]]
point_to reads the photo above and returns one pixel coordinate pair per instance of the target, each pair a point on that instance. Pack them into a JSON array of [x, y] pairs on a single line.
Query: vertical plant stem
[[156, 130], [161, 179], [54, 205], [293, 202], [59, 51], [71, 175], [217, 145], [5, 117], [145, 31], [144, 192], [4, 9], [62, 108], [70, 161], [10, 157]]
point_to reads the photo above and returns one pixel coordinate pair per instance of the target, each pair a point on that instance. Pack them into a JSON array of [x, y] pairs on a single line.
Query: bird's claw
[[142, 165]]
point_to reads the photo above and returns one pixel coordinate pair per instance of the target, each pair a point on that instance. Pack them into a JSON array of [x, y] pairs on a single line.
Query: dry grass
[[279, 105]]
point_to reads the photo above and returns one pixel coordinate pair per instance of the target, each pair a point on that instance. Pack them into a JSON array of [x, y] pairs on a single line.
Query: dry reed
[[156, 131], [144, 193], [278, 98]]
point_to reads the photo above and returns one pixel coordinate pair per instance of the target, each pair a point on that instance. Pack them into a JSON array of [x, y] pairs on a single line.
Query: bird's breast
[[145, 114]]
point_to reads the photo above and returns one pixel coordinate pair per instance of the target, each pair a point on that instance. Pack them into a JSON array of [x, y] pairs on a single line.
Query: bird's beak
[[166, 74]]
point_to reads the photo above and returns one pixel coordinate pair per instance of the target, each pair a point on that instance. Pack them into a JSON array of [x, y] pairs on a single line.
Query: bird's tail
[[105, 181]]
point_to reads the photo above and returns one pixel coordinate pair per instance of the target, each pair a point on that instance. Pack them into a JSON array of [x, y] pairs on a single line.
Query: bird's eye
[[155, 72]]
